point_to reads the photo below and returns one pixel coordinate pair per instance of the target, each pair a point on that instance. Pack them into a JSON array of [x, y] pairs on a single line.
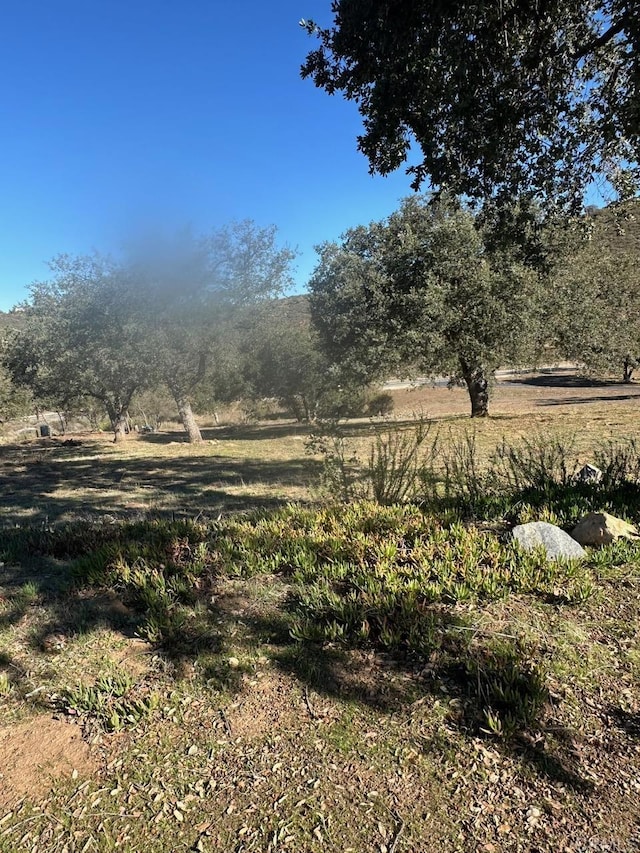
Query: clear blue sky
[[118, 114]]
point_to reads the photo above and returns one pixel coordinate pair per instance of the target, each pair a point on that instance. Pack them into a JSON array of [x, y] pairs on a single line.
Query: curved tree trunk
[[628, 367], [309, 409], [478, 388], [188, 419], [118, 411]]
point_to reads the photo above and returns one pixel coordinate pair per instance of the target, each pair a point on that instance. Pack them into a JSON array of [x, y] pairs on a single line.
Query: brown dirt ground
[[265, 706], [519, 393], [34, 754]]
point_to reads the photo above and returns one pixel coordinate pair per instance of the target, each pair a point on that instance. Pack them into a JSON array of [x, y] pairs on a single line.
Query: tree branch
[[603, 39]]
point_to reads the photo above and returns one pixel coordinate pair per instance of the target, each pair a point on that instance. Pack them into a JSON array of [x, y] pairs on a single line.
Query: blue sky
[[125, 114]]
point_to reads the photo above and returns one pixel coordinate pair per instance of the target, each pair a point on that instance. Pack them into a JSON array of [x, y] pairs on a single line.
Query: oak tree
[[424, 290], [79, 337], [501, 97], [596, 294], [194, 288], [284, 360]]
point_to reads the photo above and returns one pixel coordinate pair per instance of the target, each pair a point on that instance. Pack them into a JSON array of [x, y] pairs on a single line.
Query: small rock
[[588, 474], [556, 542], [600, 528], [234, 663], [52, 643]]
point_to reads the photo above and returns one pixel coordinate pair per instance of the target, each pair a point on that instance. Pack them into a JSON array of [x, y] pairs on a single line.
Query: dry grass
[[245, 465]]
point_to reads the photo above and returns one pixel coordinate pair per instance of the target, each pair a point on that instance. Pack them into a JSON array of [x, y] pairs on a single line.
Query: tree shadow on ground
[[471, 680], [48, 586], [483, 685], [269, 430], [50, 481], [580, 401], [59, 483], [50, 614], [628, 721], [566, 379], [492, 690]]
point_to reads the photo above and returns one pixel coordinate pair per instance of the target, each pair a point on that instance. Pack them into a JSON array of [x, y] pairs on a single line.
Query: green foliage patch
[[111, 701], [362, 573], [395, 578], [367, 573], [533, 478]]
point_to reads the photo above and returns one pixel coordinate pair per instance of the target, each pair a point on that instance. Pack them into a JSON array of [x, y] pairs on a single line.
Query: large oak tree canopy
[[425, 288], [79, 338], [503, 97]]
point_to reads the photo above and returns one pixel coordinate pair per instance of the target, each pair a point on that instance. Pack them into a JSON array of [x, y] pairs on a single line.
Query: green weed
[[507, 688], [399, 460], [111, 701]]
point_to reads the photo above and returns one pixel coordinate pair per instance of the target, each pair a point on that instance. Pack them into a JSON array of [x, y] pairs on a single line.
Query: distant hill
[[617, 227], [11, 320]]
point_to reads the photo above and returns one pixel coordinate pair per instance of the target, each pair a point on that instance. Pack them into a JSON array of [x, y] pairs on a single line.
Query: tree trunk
[[188, 420], [185, 411], [119, 421], [120, 427], [309, 410], [628, 367], [478, 388]]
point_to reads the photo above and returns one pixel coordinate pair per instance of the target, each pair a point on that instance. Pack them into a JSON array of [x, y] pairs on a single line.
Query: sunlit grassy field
[[267, 464], [201, 650]]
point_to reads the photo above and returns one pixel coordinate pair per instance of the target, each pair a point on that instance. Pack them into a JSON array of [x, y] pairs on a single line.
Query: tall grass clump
[[398, 466], [539, 463], [619, 462], [530, 478], [400, 460], [464, 477], [340, 478]]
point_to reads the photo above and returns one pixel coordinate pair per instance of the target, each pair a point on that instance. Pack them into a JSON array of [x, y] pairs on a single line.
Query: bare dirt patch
[[37, 753], [269, 703], [135, 657]]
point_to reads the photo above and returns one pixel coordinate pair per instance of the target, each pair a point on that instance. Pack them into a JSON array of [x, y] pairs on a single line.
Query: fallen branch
[[225, 720], [398, 833], [307, 700]]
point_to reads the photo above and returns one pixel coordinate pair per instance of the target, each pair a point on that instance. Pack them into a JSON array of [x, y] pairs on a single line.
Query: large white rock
[[555, 541], [600, 528]]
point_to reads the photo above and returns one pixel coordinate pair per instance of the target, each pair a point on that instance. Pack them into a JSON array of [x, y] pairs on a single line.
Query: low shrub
[[531, 479], [380, 405], [399, 461]]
